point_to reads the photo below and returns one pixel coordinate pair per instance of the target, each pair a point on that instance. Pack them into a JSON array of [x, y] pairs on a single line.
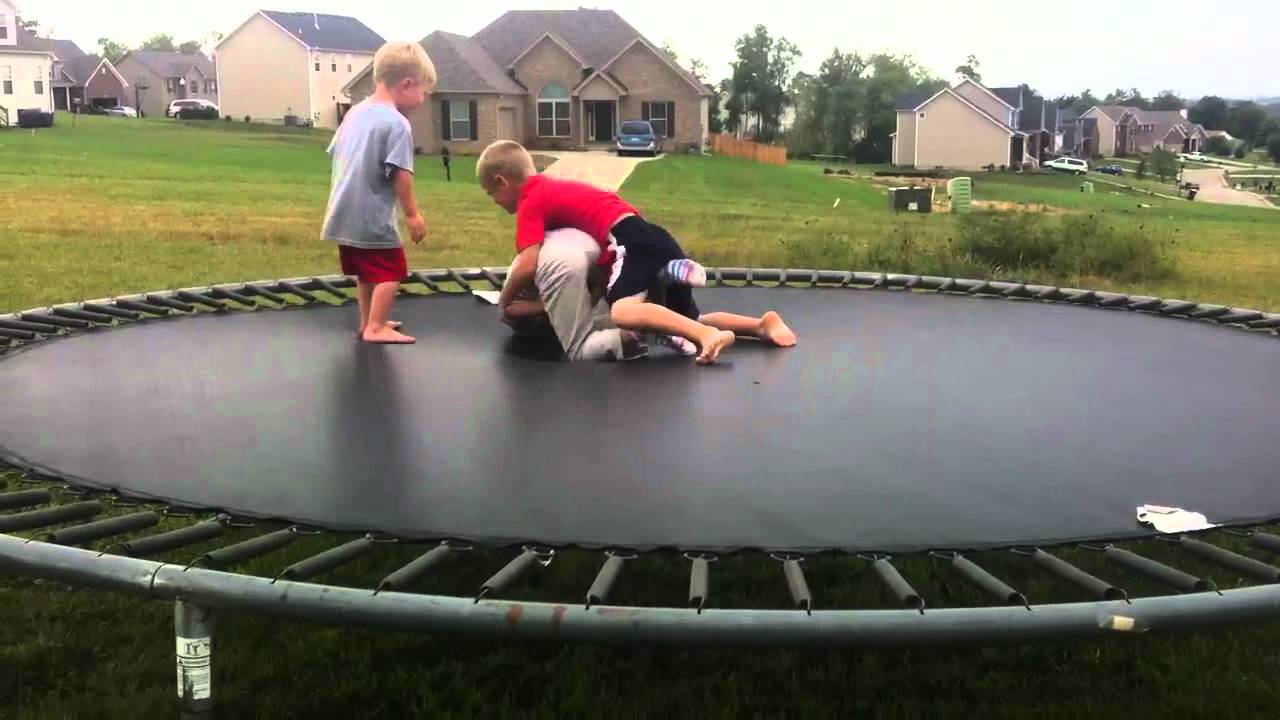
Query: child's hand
[[417, 228]]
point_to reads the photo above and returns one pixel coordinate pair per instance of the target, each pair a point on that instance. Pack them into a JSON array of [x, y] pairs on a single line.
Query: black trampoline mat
[[901, 422]]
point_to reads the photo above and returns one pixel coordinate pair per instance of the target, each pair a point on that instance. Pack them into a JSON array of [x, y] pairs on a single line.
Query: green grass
[[114, 206]]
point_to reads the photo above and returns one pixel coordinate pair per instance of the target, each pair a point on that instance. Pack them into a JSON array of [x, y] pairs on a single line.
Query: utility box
[[1086, 187], [911, 199], [961, 192]]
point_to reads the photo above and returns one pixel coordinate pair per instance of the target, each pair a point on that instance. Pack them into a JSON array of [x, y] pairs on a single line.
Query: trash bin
[[911, 199], [961, 191]]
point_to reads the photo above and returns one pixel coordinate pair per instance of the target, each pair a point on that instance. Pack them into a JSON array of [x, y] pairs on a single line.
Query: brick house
[[552, 80]]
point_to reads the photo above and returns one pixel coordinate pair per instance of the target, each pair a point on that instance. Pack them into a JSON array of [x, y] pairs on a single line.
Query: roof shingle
[[463, 67], [327, 32], [172, 64]]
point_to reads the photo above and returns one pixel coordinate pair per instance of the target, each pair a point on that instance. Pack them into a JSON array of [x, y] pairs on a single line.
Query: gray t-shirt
[[373, 142]]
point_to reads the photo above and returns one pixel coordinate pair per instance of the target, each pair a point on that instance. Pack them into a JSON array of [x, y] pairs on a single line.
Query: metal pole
[[193, 627]]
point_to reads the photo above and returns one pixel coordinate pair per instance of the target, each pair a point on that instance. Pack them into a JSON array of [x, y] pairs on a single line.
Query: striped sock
[[675, 342], [684, 272]]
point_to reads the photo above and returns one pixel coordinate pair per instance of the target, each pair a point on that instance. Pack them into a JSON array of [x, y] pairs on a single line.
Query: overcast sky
[[1148, 44]]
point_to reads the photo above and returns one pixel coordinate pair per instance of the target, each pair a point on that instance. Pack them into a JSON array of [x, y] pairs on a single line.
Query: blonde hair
[[402, 60], [506, 158]]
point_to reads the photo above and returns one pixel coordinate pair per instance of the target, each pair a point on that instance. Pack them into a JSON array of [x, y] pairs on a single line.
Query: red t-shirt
[[551, 203]]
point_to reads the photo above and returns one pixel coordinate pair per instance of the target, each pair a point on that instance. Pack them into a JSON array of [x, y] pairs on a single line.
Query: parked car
[[637, 136], [1068, 164], [176, 106], [1111, 170], [121, 111]]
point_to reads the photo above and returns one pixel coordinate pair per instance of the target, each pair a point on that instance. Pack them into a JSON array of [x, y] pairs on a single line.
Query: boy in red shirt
[[643, 257]]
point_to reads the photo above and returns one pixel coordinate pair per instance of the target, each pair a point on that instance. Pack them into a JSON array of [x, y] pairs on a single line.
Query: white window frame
[[559, 116], [665, 131], [6, 79], [4, 27], [463, 108]]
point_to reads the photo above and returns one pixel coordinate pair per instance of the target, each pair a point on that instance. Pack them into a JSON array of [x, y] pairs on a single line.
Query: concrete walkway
[[1214, 189], [596, 167]]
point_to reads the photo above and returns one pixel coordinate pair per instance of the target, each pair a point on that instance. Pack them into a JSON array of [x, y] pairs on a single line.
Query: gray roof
[[78, 70], [26, 41], [1115, 112], [327, 32], [596, 35], [1011, 95], [172, 64], [463, 67], [910, 100]]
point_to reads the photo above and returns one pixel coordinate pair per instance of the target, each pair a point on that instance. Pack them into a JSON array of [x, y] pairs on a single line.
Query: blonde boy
[[372, 169]]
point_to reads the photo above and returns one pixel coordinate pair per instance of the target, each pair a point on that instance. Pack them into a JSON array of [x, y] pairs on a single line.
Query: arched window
[[553, 111]]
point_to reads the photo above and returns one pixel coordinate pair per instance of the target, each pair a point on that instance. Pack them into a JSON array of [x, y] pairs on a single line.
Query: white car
[[1068, 164], [176, 106], [122, 111], [1197, 157]]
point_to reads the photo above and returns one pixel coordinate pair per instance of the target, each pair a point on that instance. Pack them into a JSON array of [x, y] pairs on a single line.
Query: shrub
[[1164, 163], [198, 113], [1241, 151], [1219, 146], [247, 119], [1273, 148], [1142, 169], [227, 118]]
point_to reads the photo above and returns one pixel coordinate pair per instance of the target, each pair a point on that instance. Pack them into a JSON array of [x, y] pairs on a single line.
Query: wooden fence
[[730, 146]]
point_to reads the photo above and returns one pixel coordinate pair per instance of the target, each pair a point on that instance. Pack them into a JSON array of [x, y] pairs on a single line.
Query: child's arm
[[413, 219], [521, 278]]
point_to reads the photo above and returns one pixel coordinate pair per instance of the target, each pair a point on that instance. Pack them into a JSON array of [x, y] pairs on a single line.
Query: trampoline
[[917, 415]]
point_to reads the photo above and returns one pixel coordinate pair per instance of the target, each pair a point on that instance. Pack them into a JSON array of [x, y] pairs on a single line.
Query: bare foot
[[387, 336], [393, 324], [714, 342], [773, 330]]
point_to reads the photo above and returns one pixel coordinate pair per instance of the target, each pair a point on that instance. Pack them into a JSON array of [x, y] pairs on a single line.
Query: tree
[[762, 75], [1168, 100], [1131, 97], [162, 42], [1219, 146], [1273, 149], [1142, 169], [1247, 122], [969, 68], [31, 26], [190, 47], [1210, 111], [699, 70], [111, 50], [1164, 163], [669, 48]]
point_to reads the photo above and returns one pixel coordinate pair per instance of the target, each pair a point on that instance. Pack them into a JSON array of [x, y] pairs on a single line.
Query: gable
[[982, 98], [599, 87], [956, 105], [641, 65], [546, 63]]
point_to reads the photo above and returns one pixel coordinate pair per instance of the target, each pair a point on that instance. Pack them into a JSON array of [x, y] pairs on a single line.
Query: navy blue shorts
[[644, 250]]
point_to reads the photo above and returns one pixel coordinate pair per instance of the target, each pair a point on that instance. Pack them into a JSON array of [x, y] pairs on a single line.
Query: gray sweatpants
[[566, 263]]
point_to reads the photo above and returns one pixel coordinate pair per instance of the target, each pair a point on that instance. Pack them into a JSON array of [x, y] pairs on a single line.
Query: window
[[4, 27], [195, 86], [459, 120], [553, 112], [317, 66], [6, 76], [348, 67], [171, 85], [40, 87], [333, 66], [661, 115], [211, 86]]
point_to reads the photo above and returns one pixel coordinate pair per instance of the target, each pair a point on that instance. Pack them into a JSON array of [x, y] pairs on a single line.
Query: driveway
[[596, 167], [1214, 189]]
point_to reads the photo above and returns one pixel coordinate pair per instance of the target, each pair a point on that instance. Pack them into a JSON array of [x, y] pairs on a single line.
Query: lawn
[[113, 206]]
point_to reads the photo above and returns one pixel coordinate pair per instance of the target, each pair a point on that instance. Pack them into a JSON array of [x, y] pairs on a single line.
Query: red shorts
[[374, 265]]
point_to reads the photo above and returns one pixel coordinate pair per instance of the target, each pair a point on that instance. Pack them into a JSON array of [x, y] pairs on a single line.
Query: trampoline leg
[[193, 627]]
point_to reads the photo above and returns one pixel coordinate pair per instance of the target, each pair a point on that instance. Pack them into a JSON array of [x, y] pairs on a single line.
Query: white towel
[[1173, 520]]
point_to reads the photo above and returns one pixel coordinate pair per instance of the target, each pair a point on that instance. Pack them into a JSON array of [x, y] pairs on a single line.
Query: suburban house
[[26, 68], [552, 80], [963, 126], [279, 65], [1119, 130], [82, 80], [158, 78], [1035, 116]]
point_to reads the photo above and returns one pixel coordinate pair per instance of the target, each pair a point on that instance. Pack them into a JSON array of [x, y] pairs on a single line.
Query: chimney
[[1183, 113]]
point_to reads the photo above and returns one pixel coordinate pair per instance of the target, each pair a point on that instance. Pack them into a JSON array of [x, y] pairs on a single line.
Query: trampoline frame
[[205, 587]]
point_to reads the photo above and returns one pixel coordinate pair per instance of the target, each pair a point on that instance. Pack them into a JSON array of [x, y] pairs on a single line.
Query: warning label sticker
[[194, 668]]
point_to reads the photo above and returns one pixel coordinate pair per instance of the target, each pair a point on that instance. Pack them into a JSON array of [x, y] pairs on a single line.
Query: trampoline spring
[[1049, 293], [1085, 296], [494, 280], [511, 572], [1152, 304], [1265, 541], [1210, 313], [749, 277], [172, 304], [295, 290], [717, 279], [415, 570], [35, 519], [981, 288], [815, 278], [426, 281], [1240, 317], [699, 582], [17, 334], [330, 559], [782, 278], [609, 573], [142, 307], [994, 587], [240, 298], [460, 281], [324, 285], [947, 285], [1246, 566], [1064, 570], [111, 310], [881, 282], [1267, 324], [92, 317], [69, 323], [260, 291], [173, 540], [897, 584], [798, 586], [90, 532], [913, 283], [1115, 302], [1178, 308], [1019, 290], [24, 499], [1159, 572], [25, 326], [247, 550]]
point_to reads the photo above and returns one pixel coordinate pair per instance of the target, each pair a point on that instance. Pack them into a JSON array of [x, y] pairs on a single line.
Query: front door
[[507, 123], [604, 122]]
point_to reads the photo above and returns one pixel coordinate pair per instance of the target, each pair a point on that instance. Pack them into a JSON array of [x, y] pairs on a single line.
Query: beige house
[[965, 126], [1119, 130], [552, 80], [159, 78], [290, 64], [26, 68]]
